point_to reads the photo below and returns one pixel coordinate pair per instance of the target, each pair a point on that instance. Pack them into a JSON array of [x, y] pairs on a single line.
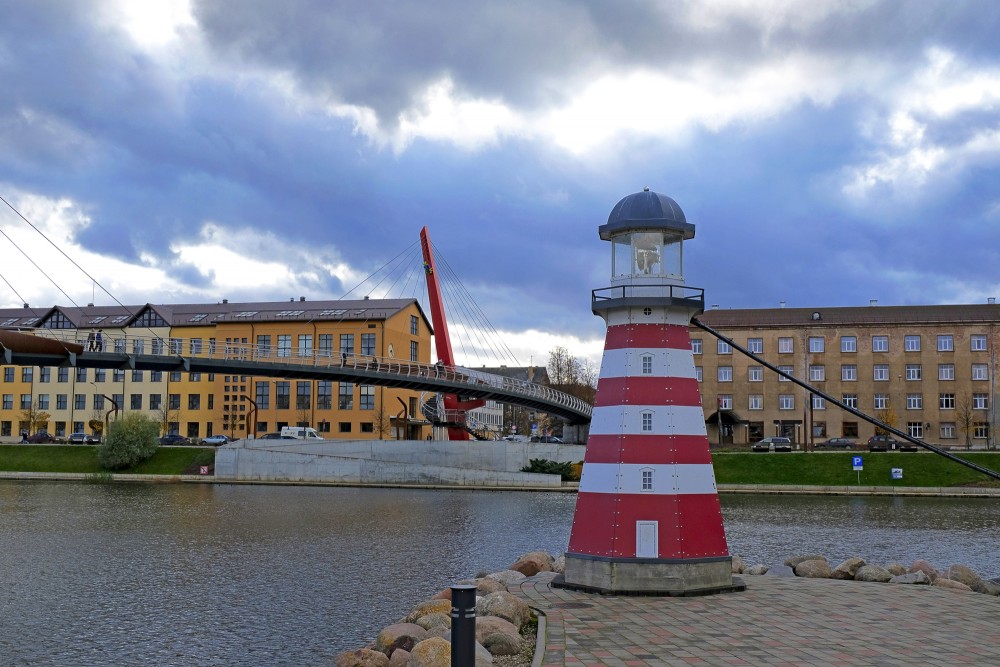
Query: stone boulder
[[559, 564], [399, 635], [444, 594], [895, 569], [488, 633], [506, 606], [434, 622], [532, 563], [780, 571], [872, 573], [925, 567], [483, 657], [756, 570], [738, 565], [433, 652], [485, 586], [813, 569], [795, 560], [363, 657], [918, 577], [951, 585], [429, 607], [848, 569], [989, 588], [507, 577], [501, 643], [400, 658], [964, 574]]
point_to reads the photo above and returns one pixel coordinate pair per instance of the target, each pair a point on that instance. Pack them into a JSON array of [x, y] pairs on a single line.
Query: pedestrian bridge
[[57, 347]]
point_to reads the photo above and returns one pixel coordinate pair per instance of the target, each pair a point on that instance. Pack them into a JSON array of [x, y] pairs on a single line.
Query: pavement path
[[775, 621]]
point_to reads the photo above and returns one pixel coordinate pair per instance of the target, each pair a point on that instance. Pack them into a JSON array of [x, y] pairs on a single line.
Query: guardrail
[[640, 291]]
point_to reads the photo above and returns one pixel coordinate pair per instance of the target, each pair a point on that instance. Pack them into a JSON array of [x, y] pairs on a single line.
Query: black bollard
[[463, 625]]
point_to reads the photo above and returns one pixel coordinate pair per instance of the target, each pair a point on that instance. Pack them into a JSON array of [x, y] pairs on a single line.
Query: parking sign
[[856, 462]]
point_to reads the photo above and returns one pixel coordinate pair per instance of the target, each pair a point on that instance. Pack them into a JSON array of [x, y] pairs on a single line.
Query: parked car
[[83, 439], [882, 443], [174, 439], [41, 438], [837, 443], [776, 443], [216, 440], [275, 436], [545, 438]]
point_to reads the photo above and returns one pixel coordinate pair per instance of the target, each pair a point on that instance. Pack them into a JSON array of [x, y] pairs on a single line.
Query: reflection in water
[[249, 575]]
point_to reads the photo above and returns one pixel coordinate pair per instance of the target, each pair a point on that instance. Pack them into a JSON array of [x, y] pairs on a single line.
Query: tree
[[36, 418], [569, 375], [381, 422], [131, 440], [165, 416], [965, 417]]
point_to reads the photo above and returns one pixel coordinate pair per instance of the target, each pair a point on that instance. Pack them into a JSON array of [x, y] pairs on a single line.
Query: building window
[[980, 401], [817, 373], [756, 402], [946, 401], [79, 401], [913, 371], [305, 345], [911, 343], [282, 395], [135, 401], [647, 421], [786, 402], [980, 430], [785, 346], [850, 400], [914, 402], [946, 343], [849, 373], [725, 373], [62, 374], [819, 429], [946, 371], [155, 401], [977, 342], [118, 375], [414, 325], [43, 401], [367, 427], [647, 364], [264, 345], [881, 372], [848, 344], [818, 402], [303, 395], [326, 345], [81, 374], [915, 429], [647, 480], [695, 346], [262, 394], [414, 350], [785, 369], [345, 396], [100, 374], [137, 376], [850, 429], [725, 401], [347, 344], [344, 427], [880, 343], [285, 345], [156, 376], [62, 401], [368, 344], [755, 345], [724, 347], [816, 344], [755, 374], [698, 373], [44, 374], [979, 372], [881, 401], [324, 395], [367, 401], [948, 430], [194, 401], [27, 372], [173, 402]]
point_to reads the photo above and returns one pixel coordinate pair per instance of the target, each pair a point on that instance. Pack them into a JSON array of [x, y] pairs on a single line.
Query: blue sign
[[856, 462]]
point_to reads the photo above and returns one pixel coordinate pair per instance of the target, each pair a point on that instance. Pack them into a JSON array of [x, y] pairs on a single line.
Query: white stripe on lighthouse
[[666, 420], [667, 362], [666, 479]]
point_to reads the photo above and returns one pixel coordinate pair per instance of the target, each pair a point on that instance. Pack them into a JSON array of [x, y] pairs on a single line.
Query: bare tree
[[36, 418], [165, 416], [382, 422], [965, 417]]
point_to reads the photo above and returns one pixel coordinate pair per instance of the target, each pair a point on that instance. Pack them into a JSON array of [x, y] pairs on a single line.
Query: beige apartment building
[[927, 370]]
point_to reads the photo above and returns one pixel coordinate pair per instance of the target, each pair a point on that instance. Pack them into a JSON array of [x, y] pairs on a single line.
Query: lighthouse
[[647, 518]]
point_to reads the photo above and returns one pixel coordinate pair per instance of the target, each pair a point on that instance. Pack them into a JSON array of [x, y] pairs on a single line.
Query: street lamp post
[[114, 409]]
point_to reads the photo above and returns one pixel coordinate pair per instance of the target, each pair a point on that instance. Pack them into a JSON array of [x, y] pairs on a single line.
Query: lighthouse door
[[645, 539]]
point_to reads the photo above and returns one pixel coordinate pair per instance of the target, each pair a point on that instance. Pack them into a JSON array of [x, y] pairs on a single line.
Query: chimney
[[301, 299], [991, 300], [225, 301], [366, 297], [90, 305], [872, 302], [782, 304], [715, 306]]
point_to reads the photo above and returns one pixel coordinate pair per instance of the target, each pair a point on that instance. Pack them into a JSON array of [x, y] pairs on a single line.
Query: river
[[99, 574]]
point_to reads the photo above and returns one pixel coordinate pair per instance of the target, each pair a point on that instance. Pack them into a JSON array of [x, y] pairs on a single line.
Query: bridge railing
[[200, 348]]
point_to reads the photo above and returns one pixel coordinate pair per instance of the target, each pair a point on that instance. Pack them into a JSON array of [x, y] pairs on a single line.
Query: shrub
[[131, 439], [547, 467]]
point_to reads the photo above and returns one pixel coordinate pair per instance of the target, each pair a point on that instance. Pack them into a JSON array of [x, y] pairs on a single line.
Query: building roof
[[858, 315]]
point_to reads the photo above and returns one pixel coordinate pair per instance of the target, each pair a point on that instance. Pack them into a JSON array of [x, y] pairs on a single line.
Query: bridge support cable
[[854, 411]]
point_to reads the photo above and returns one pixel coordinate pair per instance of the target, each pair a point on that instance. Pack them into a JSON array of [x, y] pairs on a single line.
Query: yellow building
[[198, 405]]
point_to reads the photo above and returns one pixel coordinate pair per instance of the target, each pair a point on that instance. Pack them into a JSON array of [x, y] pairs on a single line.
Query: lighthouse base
[[649, 576]]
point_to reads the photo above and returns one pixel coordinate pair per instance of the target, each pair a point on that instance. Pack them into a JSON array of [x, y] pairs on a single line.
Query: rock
[[429, 607], [507, 577], [989, 588], [433, 652], [532, 563], [444, 594], [872, 573], [435, 621], [895, 569], [501, 643], [756, 570], [485, 586], [925, 567], [399, 658], [918, 577], [813, 569], [506, 606], [399, 635], [780, 571], [494, 625], [795, 560], [965, 575], [363, 657], [944, 582], [483, 657], [737, 565], [559, 564], [848, 569]]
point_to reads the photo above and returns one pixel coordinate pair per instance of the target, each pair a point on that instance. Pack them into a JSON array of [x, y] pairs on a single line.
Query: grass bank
[[83, 459], [834, 469]]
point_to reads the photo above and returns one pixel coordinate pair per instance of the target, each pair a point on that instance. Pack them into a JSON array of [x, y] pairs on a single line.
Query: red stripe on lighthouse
[[653, 449], [647, 335], [647, 390]]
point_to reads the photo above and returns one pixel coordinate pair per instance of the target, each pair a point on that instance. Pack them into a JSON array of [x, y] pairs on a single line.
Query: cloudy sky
[[828, 152]]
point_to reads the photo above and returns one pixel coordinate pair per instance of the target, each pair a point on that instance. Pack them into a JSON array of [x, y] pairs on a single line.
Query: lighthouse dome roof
[[646, 211]]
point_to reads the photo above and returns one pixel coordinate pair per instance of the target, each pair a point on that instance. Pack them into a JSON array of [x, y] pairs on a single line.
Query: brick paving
[[776, 621]]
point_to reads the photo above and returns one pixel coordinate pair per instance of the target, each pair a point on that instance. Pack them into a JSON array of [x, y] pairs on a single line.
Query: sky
[[828, 152]]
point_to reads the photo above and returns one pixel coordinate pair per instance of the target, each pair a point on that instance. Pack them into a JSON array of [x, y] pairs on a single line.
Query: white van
[[300, 433]]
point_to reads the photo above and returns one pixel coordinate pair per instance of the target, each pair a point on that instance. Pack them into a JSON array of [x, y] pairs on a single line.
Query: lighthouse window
[[647, 421], [647, 311], [647, 364], [647, 480]]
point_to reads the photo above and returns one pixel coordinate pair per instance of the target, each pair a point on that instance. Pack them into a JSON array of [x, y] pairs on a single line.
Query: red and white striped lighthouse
[[647, 516]]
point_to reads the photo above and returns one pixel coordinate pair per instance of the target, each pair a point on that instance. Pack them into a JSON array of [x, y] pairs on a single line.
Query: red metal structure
[[454, 407]]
